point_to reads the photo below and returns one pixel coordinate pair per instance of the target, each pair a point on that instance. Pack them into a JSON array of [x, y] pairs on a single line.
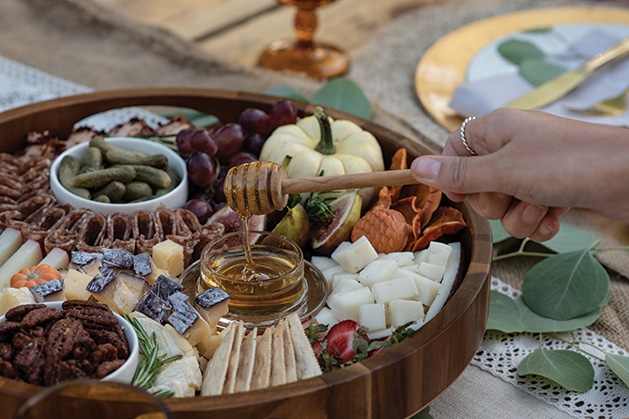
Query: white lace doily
[[500, 354], [22, 85]]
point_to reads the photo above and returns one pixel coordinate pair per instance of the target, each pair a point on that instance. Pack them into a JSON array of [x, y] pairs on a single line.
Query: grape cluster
[[211, 153]]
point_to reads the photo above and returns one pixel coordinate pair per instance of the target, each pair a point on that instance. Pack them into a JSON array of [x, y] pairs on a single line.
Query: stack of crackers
[[281, 355]]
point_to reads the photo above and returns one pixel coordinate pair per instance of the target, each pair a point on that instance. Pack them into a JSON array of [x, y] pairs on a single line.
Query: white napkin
[[482, 96]]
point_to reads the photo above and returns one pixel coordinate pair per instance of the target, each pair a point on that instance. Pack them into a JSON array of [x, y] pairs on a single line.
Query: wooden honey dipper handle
[[349, 181], [262, 187]]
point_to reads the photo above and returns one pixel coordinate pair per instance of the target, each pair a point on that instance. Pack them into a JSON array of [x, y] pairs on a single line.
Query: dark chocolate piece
[[41, 291], [154, 307], [100, 281], [165, 286], [211, 297], [142, 264], [81, 258], [117, 258]]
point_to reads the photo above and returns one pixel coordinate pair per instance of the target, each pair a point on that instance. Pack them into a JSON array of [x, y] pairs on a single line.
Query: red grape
[[219, 192], [254, 121], [201, 208], [229, 138], [284, 112], [241, 158], [201, 140], [183, 141], [253, 143], [201, 169]]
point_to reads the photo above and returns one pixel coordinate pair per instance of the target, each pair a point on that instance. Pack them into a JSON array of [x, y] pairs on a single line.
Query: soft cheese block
[[168, 255]]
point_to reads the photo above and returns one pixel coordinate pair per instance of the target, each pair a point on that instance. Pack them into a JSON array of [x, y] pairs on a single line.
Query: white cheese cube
[[325, 316], [338, 278], [56, 258], [13, 297], [399, 288], [329, 273], [323, 262], [436, 248], [339, 249], [434, 272], [10, 241], [449, 277], [405, 271], [377, 271], [427, 289], [357, 255], [440, 258], [400, 312], [402, 258], [27, 255], [421, 256], [346, 305], [372, 316], [380, 334], [346, 286]]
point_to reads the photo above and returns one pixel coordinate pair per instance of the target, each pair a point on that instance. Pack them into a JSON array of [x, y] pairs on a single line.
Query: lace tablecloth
[[498, 355]]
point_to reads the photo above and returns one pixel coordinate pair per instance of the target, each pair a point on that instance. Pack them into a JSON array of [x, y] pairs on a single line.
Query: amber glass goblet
[[304, 54]]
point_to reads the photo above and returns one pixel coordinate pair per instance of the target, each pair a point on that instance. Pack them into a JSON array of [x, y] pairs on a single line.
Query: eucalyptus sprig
[[563, 292], [151, 361]]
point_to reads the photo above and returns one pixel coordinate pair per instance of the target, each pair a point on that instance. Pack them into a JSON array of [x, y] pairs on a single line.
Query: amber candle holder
[[304, 54]]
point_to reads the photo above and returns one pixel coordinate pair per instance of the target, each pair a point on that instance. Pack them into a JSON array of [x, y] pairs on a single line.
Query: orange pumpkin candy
[[29, 277]]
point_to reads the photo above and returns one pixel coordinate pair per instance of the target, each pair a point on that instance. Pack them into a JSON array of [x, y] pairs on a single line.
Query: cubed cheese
[[74, 284], [212, 304], [400, 312], [402, 258], [208, 346], [329, 273], [323, 262], [439, 253], [168, 255], [357, 255], [339, 249], [27, 255], [377, 271], [399, 288], [347, 285], [346, 305], [431, 271], [421, 256], [56, 258], [10, 241], [325, 316], [338, 278], [427, 289], [13, 297], [372, 316], [380, 334]]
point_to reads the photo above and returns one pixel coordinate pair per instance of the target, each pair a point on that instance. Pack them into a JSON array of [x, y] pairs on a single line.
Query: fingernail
[[425, 168], [532, 213]]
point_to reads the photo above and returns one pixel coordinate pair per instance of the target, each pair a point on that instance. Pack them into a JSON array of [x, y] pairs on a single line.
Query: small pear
[[325, 237], [295, 225]]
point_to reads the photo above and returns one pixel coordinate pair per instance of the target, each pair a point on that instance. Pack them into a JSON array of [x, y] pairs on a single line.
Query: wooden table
[[237, 30]]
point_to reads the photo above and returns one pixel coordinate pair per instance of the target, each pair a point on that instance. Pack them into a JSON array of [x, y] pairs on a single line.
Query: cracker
[[307, 365], [261, 376], [234, 359], [216, 371], [289, 355], [245, 365], [278, 368]]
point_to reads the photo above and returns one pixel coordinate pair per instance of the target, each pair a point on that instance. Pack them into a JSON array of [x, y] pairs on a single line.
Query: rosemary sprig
[[318, 207], [151, 360]]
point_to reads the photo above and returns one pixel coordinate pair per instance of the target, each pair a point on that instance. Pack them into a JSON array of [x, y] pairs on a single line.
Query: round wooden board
[[397, 382], [443, 67]]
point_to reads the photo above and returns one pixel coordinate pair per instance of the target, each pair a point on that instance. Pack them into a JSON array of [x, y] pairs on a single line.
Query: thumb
[[459, 175]]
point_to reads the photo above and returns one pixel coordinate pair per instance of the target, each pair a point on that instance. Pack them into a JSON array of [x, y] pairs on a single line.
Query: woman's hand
[[532, 167]]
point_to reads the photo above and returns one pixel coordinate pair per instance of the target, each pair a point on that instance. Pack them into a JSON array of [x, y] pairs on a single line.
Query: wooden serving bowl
[[397, 382]]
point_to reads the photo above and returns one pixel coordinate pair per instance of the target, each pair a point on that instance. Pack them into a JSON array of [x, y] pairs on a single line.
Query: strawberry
[[344, 340]]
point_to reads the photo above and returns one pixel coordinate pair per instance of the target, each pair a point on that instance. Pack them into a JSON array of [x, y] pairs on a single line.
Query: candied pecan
[[93, 315], [108, 367], [7, 370], [104, 352], [41, 315], [6, 351], [64, 338], [115, 337], [65, 371], [7, 329], [16, 314], [29, 359]]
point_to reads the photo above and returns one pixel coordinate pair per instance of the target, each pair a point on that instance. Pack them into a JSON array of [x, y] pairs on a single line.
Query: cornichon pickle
[[157, 177], [93, 158], [100, 178], [68, 169], [115, 190], [174, 181], [102, 198], [120, 156], [137, 190]]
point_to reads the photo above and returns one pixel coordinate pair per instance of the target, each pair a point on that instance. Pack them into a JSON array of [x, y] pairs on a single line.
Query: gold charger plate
[[443, 67]]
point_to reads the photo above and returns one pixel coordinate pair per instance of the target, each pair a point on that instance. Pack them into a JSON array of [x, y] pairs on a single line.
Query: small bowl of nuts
[[66, 341], [119, 174]]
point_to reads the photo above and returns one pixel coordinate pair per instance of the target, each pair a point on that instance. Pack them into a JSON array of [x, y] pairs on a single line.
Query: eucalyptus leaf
[[504, 314], [570, 239], [423, 414], [511, 315], [516, 51], [498, 232], [204, 120], [538, 71], [566, 285], [286, 92], [569, 369], [344, 95], [198, 118], [619, 365]]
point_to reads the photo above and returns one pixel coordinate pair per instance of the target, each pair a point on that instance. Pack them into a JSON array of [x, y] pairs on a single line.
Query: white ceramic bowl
[[173, 199], [124, 373]]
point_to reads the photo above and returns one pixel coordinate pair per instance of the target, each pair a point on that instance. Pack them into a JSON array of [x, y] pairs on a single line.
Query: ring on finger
[[463, 139]]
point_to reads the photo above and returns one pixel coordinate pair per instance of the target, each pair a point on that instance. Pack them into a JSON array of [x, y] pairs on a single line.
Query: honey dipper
[[262, 187]]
